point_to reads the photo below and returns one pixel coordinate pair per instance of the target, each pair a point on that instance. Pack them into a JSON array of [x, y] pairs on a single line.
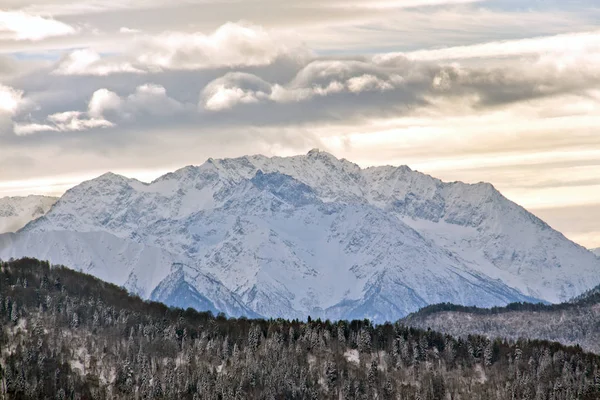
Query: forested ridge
[[67, 335], [570, 323], [591, 296]]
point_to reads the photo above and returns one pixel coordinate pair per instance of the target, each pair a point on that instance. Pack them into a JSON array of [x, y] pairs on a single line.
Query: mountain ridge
[[312, 234], [16, 212]]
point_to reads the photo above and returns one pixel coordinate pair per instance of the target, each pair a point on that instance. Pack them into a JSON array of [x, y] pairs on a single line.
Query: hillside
[[571, 323], [307, 235], [587, 296], [65, 334]]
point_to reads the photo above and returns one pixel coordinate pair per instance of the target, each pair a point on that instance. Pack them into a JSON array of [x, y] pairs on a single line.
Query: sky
[[502, 91]]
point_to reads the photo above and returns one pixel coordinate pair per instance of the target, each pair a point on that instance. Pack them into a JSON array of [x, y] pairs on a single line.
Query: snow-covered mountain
[[596, 251], [16, 212], [310, 234]]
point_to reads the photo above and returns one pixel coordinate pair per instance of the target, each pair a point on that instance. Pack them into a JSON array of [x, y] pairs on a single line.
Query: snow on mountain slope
[[596, 252], [138, 267], [490, 233], [314, 259], [188, 287], [16, 212], [122, 262], [316, 235]]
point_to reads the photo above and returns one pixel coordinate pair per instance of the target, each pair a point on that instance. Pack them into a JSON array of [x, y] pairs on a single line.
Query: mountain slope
[[16, 212], [576, 323], [316, 235], [137, 267]]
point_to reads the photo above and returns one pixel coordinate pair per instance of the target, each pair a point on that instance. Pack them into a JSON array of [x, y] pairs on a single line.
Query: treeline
[[67, 335], [590, 297]]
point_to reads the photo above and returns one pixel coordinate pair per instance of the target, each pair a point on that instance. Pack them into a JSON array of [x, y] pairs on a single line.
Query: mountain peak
[[112, 177], [320, 154], [288, 236]]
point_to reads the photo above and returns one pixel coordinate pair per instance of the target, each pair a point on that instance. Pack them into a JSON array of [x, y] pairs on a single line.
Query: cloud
[[106, 108], [104, 100], [10, 99], [77, 121], [148, 100], [232, 45], [316, 90], [18, 25], [317, 79], [151, 99], [88, 62], [126, 30], [69, 121], [24, 129], [323, 78], [234, 88], [582, 42]]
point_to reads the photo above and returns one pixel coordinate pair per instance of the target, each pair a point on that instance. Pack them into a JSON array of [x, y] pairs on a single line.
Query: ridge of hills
[[576, 322]]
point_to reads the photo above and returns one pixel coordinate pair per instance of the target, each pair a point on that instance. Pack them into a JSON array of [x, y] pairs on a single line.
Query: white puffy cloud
[[288, 94], [231, 45], [103, 100], [222, 98], [148, 99], [88, 62], [234, 88], [106, 108], [17, 25], [317, 79], [323, 78], [10, 99]]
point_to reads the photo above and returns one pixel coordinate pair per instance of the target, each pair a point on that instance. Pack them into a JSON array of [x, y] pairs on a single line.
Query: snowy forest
[[571, 323], [68, 335]]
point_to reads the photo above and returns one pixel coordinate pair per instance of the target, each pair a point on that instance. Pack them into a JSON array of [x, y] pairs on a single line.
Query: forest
[[592, 296], [576, 322], [68, 335]]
